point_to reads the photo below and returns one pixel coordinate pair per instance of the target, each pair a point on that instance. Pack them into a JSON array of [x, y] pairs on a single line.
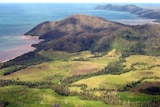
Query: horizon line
[[84, 2]]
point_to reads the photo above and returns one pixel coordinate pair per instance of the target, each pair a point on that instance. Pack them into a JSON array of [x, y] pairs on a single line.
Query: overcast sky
[[82, 1]]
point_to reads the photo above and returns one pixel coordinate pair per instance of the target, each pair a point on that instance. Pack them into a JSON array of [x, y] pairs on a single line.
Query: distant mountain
[[82, 32], [141, 12]]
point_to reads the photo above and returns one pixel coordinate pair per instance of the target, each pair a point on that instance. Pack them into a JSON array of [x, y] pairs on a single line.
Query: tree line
[[115, 68]]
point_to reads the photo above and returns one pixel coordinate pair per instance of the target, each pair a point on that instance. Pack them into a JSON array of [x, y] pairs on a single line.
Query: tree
[[62, 89]]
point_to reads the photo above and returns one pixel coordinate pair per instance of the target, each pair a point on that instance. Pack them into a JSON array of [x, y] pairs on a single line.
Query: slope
[[81, 32]]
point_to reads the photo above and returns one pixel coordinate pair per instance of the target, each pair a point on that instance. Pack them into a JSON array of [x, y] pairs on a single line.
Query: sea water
[[18, 18]]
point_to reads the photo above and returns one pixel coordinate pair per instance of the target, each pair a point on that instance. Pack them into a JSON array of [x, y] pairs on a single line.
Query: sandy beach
[[9, 54]]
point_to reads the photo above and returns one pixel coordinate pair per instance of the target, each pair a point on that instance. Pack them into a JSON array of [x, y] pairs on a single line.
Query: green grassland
[[21, 96], [65, 65], [60, 68]]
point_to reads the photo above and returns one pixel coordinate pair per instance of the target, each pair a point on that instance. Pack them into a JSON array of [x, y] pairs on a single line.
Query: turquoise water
[[17, 19]]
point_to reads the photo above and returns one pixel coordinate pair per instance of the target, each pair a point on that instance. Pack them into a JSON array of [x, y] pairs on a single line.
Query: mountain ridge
[[82, 32], [133, 9]]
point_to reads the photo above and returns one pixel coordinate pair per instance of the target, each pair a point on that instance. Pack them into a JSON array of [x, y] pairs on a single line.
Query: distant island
[[133, 9]]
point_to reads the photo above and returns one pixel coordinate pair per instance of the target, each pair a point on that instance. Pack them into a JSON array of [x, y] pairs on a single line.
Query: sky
[[81, 1]]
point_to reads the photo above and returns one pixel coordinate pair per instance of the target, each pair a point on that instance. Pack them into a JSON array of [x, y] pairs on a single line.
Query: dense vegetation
[[82, 32]]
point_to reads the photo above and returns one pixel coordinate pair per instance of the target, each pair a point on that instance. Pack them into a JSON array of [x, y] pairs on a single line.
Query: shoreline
[[18, 51], [138, 22], [12, 53]]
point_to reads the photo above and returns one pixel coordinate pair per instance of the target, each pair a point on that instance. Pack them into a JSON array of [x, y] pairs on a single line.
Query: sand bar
[[9, 54]]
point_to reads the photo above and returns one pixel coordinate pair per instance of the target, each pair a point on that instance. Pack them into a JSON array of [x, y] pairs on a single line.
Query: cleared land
[[65, 65]]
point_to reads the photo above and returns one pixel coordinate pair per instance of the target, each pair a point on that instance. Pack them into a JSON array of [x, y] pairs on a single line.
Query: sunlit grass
[[61, 67], [21, 96], [65, 65]]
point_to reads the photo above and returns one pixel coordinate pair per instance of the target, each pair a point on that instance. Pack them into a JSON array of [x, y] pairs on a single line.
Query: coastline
[[138, 22], [10, 54]]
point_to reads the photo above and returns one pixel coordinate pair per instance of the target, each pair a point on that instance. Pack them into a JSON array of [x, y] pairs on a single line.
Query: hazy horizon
[[78, 1]]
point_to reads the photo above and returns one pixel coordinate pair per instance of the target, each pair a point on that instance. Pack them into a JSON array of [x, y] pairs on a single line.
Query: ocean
[[18, 18]]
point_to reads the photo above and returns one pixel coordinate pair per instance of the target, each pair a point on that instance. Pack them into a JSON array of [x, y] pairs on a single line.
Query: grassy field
[[148, 60], [60, 69], [21, 96], [117, 81], [64, 65], [51, 70], [137, 97]]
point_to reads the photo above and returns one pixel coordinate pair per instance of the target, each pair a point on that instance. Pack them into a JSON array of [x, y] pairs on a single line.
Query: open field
[[21, 96], [61, 67], [65, 65], [117, 81]]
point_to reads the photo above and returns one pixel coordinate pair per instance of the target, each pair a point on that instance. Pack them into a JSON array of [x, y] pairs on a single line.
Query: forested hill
[[82, 32], [141, 12]]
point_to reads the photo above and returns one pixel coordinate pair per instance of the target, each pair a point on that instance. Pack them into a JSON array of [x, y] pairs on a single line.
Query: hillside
[[83, 79], [75, 33], [85, 61], [81, 32], [141, 12]]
